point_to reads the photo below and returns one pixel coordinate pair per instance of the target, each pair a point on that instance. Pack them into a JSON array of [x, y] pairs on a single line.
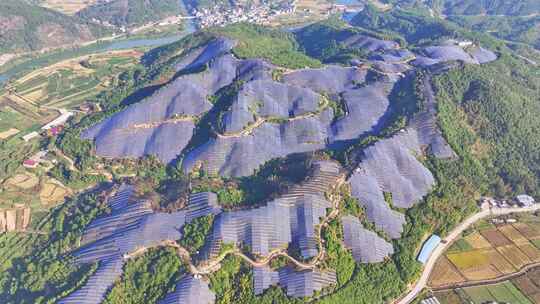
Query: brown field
[[69, 7], [514, 255], [514, 235], [22, 181], [527, 231], [51, 193], [531, 251], [535, 298], [526, 285], [499, 262], [444, 273], [481, 273], [477, 241], [495, 237], [534, 275], [8, 133], [448, 297]]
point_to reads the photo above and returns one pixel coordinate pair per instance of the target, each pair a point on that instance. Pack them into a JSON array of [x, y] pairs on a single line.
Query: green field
[[460, 245], [503, 293]]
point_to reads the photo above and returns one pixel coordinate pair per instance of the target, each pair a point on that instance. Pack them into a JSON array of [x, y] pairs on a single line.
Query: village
[[261, 14]]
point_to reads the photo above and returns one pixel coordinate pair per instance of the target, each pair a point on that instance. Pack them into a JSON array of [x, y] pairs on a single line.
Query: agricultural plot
[[69, 7], [514, 235], [505, 292], [52, 192], [477, 241], [445, 273], [490, 252], [448, 297], [495, 237], [514, 255], [69, 83]]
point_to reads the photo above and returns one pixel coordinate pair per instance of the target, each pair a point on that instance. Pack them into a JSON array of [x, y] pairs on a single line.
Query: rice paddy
[[505, 292], [490, 252]]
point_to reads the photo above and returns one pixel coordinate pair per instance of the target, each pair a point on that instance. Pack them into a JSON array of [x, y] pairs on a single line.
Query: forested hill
[[475, 7], [29, 27], [131, 12]]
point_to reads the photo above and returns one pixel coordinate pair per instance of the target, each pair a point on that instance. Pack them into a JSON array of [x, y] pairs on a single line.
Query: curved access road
[[452, 236]]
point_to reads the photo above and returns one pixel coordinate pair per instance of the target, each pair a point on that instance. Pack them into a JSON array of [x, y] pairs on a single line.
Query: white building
[[30, 135], [60, 120], [525, 200]]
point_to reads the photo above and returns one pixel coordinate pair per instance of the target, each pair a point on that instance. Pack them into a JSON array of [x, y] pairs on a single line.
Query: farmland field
[[503, 293], [514, 255], [71, 82], [469, 259], [69, 7], [514, 235], [445, 273], [495, 237], [490, 251], [477, 241]]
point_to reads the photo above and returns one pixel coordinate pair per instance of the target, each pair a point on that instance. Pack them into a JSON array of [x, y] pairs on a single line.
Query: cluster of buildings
[[261, 14], [522, 200]]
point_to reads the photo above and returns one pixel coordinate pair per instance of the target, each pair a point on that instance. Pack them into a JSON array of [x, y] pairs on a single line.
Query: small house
[[30, 163]]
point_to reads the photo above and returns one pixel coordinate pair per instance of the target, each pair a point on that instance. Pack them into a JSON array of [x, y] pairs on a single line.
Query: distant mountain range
[[131, 12], [26, 26], [475, 7], [29, 27]]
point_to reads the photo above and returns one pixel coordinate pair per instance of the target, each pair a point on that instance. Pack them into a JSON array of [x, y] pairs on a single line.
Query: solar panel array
[[95, 289], [443, 53], [268, 98], [154, 127], [190, 290], [241, 155], [131, 224], [392, 56], [425, 123], [366, 246], [390, 166], [298, 283], [203, 55], [263, 278], [290, 218], [369, 44]]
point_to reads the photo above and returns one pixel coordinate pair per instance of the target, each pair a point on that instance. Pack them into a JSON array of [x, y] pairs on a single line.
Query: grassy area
[[503, 293], [459, 246]]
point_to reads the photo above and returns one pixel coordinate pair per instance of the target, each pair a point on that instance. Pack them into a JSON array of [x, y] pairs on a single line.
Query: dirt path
[[450, 238], [214, 264]]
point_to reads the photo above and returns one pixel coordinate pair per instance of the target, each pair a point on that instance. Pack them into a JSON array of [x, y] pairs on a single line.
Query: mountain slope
[[28, 27], [131, 12]]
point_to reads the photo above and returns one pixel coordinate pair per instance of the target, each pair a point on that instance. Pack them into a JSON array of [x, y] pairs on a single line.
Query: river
[[113, 45], [122, 44]]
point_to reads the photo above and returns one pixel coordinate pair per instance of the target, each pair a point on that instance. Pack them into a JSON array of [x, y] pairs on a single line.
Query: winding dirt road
[[214, 264], [452, 236]]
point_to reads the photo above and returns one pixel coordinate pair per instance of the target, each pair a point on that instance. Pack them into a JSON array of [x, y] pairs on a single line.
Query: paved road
[[455, 233]]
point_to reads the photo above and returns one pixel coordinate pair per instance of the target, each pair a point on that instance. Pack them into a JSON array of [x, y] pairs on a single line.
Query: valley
[[304, 159]]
